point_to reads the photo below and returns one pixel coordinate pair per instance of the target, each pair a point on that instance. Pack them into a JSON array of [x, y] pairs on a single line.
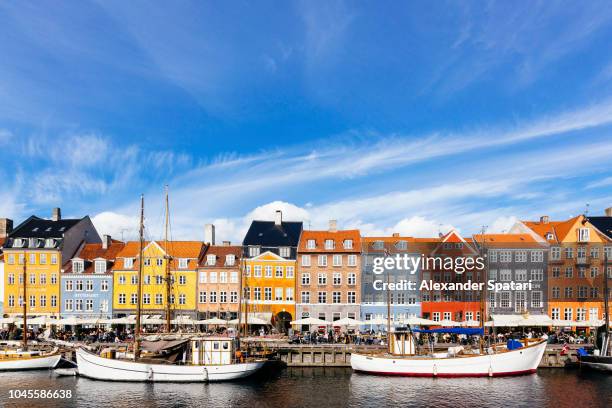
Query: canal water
[[323, 387]]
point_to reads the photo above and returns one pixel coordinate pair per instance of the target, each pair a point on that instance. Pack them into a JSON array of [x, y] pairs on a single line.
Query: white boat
[[496, 362], [210, 359], [12, 360]]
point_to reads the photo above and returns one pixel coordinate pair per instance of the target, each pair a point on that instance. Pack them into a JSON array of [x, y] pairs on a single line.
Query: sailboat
[[28, 357], [603, 359], [197, 359], [404, 359]]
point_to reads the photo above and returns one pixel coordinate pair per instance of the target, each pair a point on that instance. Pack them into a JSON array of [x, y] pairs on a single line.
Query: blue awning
[[468, 331]]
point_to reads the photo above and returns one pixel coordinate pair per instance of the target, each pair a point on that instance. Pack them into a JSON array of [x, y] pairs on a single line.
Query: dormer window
[[18, 243], [550, 236], [285, 252], [100, 266], [128, 263], [311, 244], [583, 235], [458, 245], [348, 244], [32, 242], [378, 245], [401, 245], [329, 244], [253, 251], [211, 260], [182, 263], [49, 243], [78, 266], [230, 260]]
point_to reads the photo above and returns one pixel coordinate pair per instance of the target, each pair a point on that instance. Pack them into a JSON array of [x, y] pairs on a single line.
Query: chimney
[[6, 227], [209, 234], [395, 235], [227, 243], [544, 219], [333, 225], [278, 217], [106, 241], [56, 215], [608, 212]]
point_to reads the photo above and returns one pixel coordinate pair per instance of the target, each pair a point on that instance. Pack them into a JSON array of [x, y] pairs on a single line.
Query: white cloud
[[117, 225], [502, 224]]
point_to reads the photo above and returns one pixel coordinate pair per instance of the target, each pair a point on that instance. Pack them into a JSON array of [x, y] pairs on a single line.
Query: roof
[[90, 252], [191, 250], [506, 240], [221, 252], [269, 234], [422, 245], [337, 236], [35, 227], [603, 225]]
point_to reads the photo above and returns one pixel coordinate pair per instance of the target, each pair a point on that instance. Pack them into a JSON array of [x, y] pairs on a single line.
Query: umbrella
[[376, 321], [7, 320], [347, 321], [470, 323], [447, 323], [214, 320], [182, 320], [418, 321], [564, 323], [69, 321], [252, 320], [310, 321], [42, 321]]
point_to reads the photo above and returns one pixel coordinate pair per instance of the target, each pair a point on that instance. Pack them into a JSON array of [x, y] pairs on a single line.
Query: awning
[[520, 320], [454, 330], [311, 321], [347, 321]]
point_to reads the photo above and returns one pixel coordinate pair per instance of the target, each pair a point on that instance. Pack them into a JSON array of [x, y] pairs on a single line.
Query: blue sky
[[386, 116]]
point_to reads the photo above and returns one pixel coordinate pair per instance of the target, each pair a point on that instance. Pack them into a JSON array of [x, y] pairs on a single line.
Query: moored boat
[[14, 360]]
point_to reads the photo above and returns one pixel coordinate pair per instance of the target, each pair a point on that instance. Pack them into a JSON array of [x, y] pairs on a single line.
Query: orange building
[[575, 267]]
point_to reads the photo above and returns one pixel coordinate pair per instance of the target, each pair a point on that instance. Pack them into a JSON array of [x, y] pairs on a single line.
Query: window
[[581, 272], [213, 277], [182, 280], [43, 278], [505, 299], [290, 272], [128, 263], [581, 252], [230, 260], [322, 297], [336, 296], [78, 285], [536, 298], [53, 301], [257, 293], [147, 262], [89, 286], [505, 256], [257, 271], [268, 271], [322, 279], [182, 263], [556, 272], [104, 286], [352, 260], [583, 235], [594, 271], [202, 278], [159, 299], [351, 297], [521, 256], [133, 299], [569, 272], [49, 243], [32, 279], [247, 271], [351, 278], [285, 252], [78, 305], [32, 301], [594, 292], [378, 245], [278, 272], [521, 274], [134, 279], [401, 245], [505, 275], [581, 314], [253, 251], [305, 297], [10, 279], [43, 259], [569, 252], [568, 313], [582, 291], [337, 279], [77, 266], [202, 297], [348, 244], [555, 315], [11, 259], [234, 297], [311, 244], [493, 274], [234, 277], [537, 274], [329, 244], [556, 293], [267, 293], [337, 260], [183, 299], [436, 316], [100, 267], [537, 256], [520, 303], [305, 279], [159, 262], [171, 299], [146, 299], [211, 259], [555, 253], [104, 305], [222, 277], [492, 256], [32, 259], [289, 294], [278, 293], [68, 305], [322, 260], [11, 300], [593, 313], [147, 280], [569, 292]]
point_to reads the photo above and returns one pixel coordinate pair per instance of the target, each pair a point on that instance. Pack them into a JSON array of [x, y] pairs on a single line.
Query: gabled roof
[[191, 250], [269, 234], [506, 241], [221, 252], [35, 227], [91, 252], [603, 225], [561, 230], [337, 236]]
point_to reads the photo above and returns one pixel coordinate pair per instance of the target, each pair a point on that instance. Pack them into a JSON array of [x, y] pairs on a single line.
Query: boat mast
[[388, 307], [139, 281], [25, 305], [483, 292], [240, 299], [168, 277], [606, 307]]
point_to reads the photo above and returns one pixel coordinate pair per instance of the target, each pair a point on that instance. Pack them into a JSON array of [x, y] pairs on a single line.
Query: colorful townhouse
[[516, 258], [179, 259], [376, 290], [575, 266], [329, 274], [219, 280], [456, 305], [269, 261], [39, 247], [87, 281]]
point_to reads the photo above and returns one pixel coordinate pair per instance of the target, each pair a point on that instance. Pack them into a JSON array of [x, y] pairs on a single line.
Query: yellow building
[[184, 257], [39, 247], [270, 253]]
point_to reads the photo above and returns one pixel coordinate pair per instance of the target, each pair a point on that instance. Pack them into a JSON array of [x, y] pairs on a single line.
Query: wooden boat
[[497, 361], [13, 360]]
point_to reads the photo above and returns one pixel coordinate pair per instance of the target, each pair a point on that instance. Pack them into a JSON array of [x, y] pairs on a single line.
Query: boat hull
[[32, 363], [99, 368], [516, 362], [597, 362]]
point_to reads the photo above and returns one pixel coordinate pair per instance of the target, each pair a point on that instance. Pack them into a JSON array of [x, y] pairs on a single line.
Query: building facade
[[329, 274], [516, 258], [269, 260], [87, 281], [575, 267], [182, 258], [219, 282], [39, 247]]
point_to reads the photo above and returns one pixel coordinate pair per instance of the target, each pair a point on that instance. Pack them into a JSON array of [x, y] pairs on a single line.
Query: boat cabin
[[402, 343], [213, 351]]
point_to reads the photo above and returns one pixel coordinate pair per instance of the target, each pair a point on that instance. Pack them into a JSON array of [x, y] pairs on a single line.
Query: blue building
[[87, 281], [397, 279]]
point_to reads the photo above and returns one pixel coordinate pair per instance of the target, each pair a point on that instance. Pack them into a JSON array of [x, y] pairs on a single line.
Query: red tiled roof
[[90, 252], [191, 250], [338, 236], [221, 252]]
